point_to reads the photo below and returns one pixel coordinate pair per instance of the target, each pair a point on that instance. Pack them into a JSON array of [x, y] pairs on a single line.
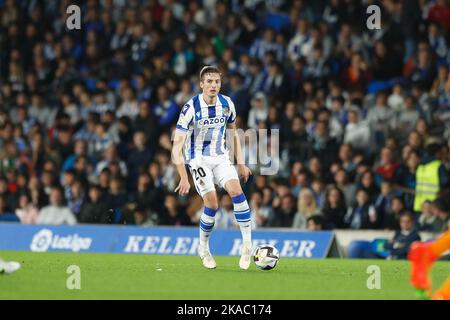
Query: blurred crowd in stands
[[86, 116]]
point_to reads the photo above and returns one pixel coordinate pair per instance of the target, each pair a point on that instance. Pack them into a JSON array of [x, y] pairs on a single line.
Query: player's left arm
[[243, 171]]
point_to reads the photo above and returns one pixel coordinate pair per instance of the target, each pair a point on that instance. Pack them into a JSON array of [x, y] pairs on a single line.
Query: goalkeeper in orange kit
[[422, 256]]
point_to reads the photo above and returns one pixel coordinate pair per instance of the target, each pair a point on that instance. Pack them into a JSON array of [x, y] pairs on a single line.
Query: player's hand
[[183, 187], [244, 172]]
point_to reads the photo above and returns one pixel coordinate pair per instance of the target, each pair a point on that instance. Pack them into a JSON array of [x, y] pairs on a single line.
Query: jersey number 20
[[199, 173]]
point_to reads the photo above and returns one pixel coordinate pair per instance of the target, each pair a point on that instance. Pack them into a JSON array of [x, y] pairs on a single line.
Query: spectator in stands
[[383, 202], [239, 93], [173, 214], [421, 69], [301, 42], [95, 210], [406, 177], [265, 44], [398, 246], [101, 141], [147, 196], [392, 218], [80, 149], [284, 214], [380, 118], [346, 158], [441, 211], [342, 180], [129, 106], [276, 82], [5, 213], [324, 146], [165, 110], [318, 190], [146, 123], [385, 63], [263, 212], [259, 110], [139, 156], [77, 198], [367, 183], [8, 196], [428, 220], [142, 217], [117, 196], [40, 111], [315, 223], [387, 167], [56, 212], [357, 74], [306, 207], [297, 140], [435, 179], [27, 212], [357, 133], [109, 156], [334, 209], [363, 215]]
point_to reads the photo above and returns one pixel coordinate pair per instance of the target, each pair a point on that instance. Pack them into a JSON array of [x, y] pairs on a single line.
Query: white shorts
[[209, 171]]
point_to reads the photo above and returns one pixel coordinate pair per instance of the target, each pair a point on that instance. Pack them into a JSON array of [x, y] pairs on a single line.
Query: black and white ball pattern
[[266, 257]]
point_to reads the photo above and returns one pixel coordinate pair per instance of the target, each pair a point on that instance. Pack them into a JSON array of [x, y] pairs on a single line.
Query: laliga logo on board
[[45, 240], [41, 241]]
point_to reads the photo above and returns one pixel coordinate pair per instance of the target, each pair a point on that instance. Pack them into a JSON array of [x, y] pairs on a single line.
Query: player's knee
[[234, 189], [211, 202]]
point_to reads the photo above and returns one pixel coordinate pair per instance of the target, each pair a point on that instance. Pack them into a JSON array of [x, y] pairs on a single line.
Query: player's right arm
[[184, 121]]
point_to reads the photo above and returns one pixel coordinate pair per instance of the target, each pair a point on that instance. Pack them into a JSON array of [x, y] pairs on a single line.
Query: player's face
[[211, 84]]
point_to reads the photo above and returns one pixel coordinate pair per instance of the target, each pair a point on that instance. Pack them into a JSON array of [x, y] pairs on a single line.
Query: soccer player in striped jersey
[[201, 130]]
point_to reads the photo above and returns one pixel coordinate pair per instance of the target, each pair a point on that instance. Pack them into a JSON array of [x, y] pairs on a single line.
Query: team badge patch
[[185, 109]]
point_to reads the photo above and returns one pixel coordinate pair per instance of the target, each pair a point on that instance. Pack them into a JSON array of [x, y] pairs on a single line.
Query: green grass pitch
[[122, 276]]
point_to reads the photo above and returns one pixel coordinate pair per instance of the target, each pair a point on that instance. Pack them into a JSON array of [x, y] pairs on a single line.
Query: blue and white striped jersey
[[206, 125]]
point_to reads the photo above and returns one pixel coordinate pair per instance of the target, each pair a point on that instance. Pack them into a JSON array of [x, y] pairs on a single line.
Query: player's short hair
[[209, 69]]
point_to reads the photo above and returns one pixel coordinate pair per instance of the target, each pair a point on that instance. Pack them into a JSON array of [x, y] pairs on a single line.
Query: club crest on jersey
[[185, 109], [225, 112]]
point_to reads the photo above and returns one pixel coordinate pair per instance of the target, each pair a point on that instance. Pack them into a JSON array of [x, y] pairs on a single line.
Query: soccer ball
[[266, 257]]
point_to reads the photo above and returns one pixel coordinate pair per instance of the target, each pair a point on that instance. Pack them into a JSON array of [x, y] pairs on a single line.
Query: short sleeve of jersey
[[186, 117], [232, 117]]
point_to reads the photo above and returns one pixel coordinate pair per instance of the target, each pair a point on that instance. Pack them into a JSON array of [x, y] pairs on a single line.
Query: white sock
[[243, 218], [206, 226]]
